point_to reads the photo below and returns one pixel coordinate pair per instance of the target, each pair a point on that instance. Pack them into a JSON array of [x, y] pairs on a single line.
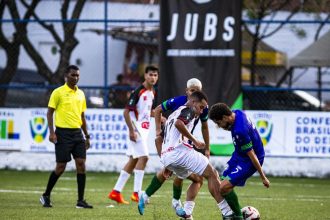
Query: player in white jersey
[[137, 117], [179, 156]]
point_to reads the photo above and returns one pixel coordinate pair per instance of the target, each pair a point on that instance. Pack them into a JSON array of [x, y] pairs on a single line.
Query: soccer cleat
[[82, 204], [118, 197], [45, 201], [135, 197], [141, 204], [232, 217], [182, 214]]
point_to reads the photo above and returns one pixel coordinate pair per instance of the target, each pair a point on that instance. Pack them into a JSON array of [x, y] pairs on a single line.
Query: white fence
[[296, 143]]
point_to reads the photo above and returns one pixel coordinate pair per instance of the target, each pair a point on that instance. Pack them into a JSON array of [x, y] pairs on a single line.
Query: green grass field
[[287, 198]]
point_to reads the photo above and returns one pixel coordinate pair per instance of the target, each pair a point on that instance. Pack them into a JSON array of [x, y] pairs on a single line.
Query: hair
[[151, 68], [199, 95], [120, 77], [194, 82], [219, 110], [71, 67]]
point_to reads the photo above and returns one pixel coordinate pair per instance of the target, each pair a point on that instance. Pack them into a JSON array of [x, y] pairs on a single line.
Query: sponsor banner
[[201, 39], [295, 134]]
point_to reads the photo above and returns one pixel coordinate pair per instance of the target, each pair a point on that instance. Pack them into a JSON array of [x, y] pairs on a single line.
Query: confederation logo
[[38, 127], [265, 129]]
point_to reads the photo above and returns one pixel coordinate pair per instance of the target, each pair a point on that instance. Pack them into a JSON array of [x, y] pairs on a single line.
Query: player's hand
[[53, 138], [87, 144], [199, 144], [266, 182], [133, 136]]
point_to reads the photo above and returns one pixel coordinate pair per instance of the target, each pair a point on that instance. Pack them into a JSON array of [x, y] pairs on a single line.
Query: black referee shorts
[[69, 141]]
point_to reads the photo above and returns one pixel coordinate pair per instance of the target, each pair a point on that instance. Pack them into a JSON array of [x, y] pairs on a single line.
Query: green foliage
[[286, 199], [300, 32]]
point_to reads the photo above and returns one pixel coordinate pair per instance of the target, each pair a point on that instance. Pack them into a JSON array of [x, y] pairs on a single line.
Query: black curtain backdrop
[[205, 44]]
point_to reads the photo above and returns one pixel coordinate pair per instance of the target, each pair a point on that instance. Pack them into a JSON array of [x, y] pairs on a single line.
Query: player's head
[[198, 101], [193, 85], [221, 114], [151, 75], [72, 75]]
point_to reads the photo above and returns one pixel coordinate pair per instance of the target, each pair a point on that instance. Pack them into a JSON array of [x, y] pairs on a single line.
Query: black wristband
[[87, 136]]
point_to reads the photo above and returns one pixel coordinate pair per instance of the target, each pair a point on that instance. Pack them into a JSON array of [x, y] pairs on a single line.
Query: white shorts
[[140, 147], [184, 161]]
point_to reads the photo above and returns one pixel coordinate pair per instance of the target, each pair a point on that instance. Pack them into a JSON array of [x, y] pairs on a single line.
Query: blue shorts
[[238, 171]]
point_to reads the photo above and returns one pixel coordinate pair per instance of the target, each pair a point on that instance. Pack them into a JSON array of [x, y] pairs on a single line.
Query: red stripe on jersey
[[187, 145], [142, 91]]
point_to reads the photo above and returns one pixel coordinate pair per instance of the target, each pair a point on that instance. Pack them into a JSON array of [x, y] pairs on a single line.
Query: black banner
[[201, 39]]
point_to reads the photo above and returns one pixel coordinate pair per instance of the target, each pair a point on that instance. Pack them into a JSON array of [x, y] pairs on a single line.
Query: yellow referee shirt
[[69, 105]]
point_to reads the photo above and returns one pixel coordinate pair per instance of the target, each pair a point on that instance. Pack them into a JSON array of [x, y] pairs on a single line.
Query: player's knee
[[59, 170], [177, 181]]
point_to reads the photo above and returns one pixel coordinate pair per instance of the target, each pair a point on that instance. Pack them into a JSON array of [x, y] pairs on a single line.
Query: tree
[[258, 10], [12, 46], [66, 43]]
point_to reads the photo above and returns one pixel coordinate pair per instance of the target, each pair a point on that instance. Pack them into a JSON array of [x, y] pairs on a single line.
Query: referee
[[69, 104]]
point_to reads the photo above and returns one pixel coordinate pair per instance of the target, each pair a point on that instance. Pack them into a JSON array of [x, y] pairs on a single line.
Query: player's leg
[[155, 184], [177, 191], [192, 192], [236, 174], [125, 173], [138, 177], [227, 191]]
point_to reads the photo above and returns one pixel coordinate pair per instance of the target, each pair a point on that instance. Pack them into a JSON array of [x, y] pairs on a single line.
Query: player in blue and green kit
[[247, 157]]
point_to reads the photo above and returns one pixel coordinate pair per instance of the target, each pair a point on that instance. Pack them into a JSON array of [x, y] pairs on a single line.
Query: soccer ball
[[250, 213]]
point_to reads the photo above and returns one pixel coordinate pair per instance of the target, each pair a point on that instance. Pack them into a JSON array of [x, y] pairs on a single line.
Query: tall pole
[[105, 104]]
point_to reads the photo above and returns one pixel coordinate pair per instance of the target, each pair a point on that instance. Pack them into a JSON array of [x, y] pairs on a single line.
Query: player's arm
[[206, 137], [253, 157], [158, 123], [129, 123], [50, 120], [84, 128], [180, 125]]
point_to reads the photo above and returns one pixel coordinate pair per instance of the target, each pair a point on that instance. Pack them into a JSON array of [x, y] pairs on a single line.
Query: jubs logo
[[38, 127], [265, 129]]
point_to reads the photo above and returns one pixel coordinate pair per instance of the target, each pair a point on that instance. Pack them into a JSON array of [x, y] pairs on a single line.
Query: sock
[[145, 197], [189, 207], [232, 201], [176, 204], [225, 208], [153, 186], [138, 180], [81, 181], [177, 190], [122, 179], [51, 183]]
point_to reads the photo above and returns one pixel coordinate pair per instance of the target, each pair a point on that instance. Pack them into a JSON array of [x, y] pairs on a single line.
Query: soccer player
[[172, 104], [137, 117], [69, 104], [178, 155], [247, 157]]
